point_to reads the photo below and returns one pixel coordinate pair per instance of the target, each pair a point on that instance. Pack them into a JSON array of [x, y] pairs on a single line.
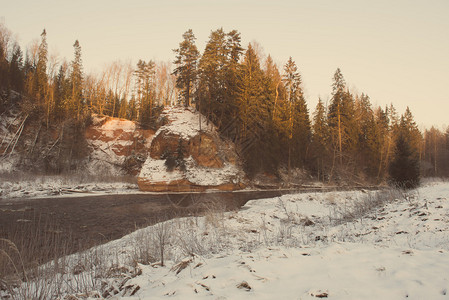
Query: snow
[[7, 123], [20, 186], [344, 271], [266, 245], [116, 124], [212, 176], [155, 170], [340, 245], [184, 122]]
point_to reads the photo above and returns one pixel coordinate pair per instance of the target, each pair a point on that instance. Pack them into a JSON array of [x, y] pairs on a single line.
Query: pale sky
[[396, 51]]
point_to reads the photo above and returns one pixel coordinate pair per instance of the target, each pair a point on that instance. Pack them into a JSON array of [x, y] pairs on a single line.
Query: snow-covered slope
[[336, 245], [315, 245]]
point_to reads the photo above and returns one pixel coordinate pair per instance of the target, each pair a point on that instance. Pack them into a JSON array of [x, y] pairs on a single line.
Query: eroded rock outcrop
[[117, 146], [187, 154]]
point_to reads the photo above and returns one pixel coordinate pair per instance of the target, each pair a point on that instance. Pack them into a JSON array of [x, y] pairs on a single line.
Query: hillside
[[184, 154]]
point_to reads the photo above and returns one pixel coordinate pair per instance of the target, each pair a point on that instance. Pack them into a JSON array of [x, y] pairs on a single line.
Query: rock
[[244, 286], [186, 157], [112, 141], [164, 142], [204, 150]]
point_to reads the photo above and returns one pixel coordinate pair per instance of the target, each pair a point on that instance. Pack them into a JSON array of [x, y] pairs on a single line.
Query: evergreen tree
[[146, 92], [76, 78], [4, 39], [382, 124], [62, 92], [404, 168], [368, 145], [186, 71], [320, 140], [251, 108], [253, 117], [218, 79], [298, 122], [274, 89], [409, 129], [41, 78], [16, 69], [233, 52], [341, 119]]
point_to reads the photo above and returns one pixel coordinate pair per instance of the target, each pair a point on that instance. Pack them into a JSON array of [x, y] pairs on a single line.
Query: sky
[[396, 51]]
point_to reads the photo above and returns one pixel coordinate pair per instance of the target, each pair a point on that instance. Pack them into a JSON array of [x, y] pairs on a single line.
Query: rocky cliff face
[[117, 146], [187, 154]]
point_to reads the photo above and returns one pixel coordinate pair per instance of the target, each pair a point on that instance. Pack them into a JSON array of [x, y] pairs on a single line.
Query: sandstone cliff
[[187, 154], [117, 146]]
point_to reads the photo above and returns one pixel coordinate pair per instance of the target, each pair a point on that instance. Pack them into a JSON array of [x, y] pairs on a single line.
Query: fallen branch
[[35, 139], [18, 134]]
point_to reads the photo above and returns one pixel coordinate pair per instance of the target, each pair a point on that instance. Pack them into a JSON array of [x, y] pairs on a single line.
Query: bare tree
[[161, 236]]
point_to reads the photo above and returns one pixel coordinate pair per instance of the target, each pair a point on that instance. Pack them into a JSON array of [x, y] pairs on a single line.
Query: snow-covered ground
[[27, 186], [312, 245], [336, 245]]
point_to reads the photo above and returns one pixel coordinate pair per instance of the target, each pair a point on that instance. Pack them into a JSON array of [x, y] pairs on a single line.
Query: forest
[[251, 100]]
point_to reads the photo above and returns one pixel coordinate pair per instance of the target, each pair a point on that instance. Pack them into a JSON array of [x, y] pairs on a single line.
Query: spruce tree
[[186, 61], [218, 79], [76, 79], [320, 140], [410, 129], [62, 92], [253, 114], [404, 168], [341, 119], [368, 145], [16, 69], [4, 38], [298, 122], [145, 80], [41, 71], [382, 124]]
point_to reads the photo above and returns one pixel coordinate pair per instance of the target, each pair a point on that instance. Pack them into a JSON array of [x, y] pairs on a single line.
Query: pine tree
[[186, 70]]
